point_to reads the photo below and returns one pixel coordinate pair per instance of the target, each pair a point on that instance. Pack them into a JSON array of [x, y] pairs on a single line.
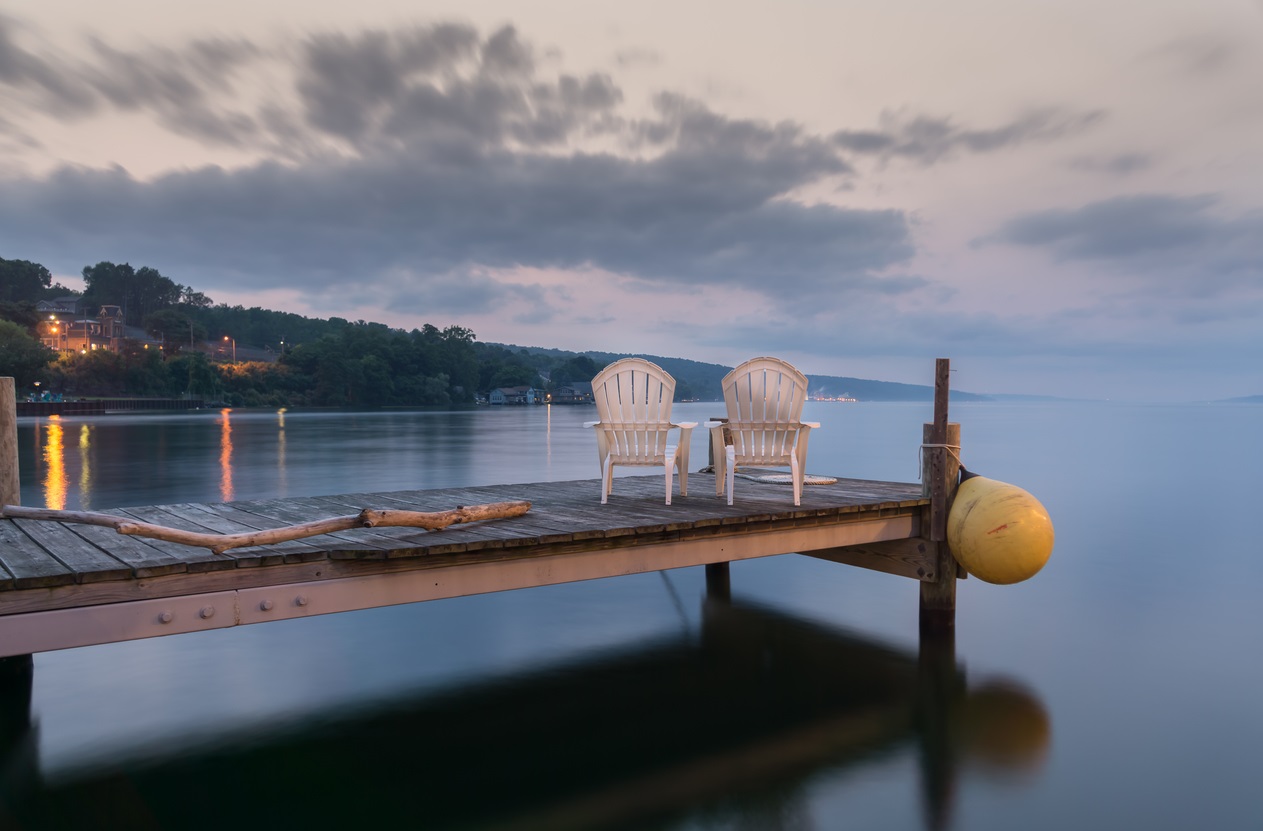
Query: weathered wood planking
[[78, 567]]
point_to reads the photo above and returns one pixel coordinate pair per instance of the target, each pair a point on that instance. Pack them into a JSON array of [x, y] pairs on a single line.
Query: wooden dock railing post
[[10, 487], [940, 469], [15, 671]]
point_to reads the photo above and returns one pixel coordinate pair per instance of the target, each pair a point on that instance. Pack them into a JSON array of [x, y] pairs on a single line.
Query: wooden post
[[718, 582], [940, 470], [10, 487], [18, 667], [940, 693]]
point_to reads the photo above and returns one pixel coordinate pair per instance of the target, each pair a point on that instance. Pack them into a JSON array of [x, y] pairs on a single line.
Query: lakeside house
[[579, 392], [509, 395], [575, 392], [71, 333]]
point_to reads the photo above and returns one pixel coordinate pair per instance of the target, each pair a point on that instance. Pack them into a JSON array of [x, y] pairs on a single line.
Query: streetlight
[[234, 347]]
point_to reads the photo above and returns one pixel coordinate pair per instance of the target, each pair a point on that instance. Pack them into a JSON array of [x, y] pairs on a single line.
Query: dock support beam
[[940, 470], [718, 582]]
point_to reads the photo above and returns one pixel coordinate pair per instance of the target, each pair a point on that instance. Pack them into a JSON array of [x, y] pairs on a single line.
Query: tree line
[[317, 362]]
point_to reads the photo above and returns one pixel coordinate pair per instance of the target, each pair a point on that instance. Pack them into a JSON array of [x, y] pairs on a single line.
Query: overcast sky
[[1063, 198]]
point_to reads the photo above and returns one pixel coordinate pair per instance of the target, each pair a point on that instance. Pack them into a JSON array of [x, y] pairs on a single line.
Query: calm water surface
[[1118, 688]]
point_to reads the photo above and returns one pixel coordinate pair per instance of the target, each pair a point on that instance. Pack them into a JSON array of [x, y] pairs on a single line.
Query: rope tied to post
[[950, 448]]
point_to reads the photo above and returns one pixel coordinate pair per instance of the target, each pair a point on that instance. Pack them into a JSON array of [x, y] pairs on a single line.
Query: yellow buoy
[[997, 531]]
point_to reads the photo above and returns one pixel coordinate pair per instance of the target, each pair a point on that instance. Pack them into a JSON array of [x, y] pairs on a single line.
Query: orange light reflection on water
[[282, 488], [55, 465], [85, 467], [225, 456]]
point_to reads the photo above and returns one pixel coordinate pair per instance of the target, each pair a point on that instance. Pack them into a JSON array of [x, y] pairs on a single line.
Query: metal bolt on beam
[[207, 612], [166, 617], [266, 605], [301, 600]]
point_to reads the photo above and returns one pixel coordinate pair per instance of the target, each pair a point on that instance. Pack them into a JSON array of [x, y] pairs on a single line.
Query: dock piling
[[718, 582], [10, 488], [939, 471]]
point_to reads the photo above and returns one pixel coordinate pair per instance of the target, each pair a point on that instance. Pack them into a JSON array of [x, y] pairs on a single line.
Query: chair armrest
[[591, 423], [710, 425], [689, 425], [765, 425]]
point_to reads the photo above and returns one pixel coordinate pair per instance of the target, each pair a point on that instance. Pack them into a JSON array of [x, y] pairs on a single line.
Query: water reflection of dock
[[736, 718]]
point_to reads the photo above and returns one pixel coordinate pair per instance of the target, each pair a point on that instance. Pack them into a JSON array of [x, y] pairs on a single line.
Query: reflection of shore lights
[[225, 456], [55, 472], [85, 466], [282, 483]]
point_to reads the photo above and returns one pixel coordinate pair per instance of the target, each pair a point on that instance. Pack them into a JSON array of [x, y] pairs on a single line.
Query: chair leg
[[670, 468], [607, 479], [730, 477], [717, 457], [796, 474]]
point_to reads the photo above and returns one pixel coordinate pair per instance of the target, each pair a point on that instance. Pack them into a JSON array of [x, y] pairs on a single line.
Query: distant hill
[[1249, 399], [701, 381]]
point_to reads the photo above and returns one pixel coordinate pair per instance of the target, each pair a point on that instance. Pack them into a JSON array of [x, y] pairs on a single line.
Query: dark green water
[[1118, 688]]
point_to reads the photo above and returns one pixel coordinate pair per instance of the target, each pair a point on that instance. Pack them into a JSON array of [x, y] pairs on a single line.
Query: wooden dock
[[67, 585]]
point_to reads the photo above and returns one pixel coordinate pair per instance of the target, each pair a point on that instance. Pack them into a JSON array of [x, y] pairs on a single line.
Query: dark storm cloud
[[46, 82], [678, 218], [177, 86], [1159, 235], [443, 83], [926, 139], [461, 162]]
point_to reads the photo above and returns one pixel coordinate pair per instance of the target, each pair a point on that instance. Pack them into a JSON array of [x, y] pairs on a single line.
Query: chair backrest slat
[[633, 402], [764, 396]]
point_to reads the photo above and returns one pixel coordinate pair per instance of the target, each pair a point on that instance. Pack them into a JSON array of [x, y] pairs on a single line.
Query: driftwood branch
[[219, 543]]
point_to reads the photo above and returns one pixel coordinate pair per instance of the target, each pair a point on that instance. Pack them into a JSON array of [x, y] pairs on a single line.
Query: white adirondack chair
[[764, 398], [633, 402]]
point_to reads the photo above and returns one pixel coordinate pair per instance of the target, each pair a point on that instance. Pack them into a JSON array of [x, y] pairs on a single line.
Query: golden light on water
[[282, 486], [54, 465], [225, 456], [85, 466]]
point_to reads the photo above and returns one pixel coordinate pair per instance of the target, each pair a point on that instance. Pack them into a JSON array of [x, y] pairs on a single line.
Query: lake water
[[1119, 688]]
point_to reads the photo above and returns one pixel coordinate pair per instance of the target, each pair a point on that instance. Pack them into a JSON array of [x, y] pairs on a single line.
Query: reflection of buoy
[[1006, 728], [997, 531]]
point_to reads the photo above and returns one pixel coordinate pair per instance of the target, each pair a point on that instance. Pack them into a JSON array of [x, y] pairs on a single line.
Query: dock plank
[[566, 516], [294, 511], [146, 558], [227, 522], [31, 566], [88, 562], [293, 551], [196, 558]]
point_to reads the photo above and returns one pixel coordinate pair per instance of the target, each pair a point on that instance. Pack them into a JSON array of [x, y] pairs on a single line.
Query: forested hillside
[[178, 344]]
